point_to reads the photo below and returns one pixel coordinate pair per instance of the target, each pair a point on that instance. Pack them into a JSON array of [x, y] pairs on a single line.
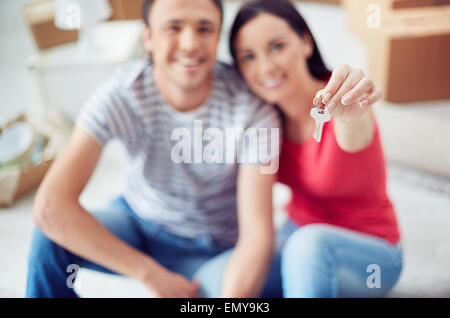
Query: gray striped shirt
[[188, 199]]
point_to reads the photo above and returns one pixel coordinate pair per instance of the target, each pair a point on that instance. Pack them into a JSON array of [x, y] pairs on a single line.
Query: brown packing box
[[29, 180], [26, 179], [361, 14], [15, 182], [39, 16], [403, 4], [411, 64], [409, 52], [126, 9]]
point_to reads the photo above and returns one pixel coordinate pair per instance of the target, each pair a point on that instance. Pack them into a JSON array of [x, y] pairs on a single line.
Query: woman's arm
[[357, 134], [348, 97], [246, 272]]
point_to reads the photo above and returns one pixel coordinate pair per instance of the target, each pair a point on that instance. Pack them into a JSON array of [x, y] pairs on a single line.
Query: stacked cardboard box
[[39, 16], [412, 66], [126, 9], [409, 46], [366, 17]]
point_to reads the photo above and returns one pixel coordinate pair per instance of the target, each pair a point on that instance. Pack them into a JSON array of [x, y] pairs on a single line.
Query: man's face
[[183, 36]]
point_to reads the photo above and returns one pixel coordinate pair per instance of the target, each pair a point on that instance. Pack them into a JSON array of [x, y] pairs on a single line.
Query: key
[[321, 116]]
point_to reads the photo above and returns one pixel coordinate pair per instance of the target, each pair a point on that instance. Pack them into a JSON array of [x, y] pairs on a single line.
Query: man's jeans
[[48, 262]]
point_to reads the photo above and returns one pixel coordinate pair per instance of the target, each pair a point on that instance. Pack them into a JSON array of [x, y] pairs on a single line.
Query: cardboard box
[[39, 17], [16, 181], [364, 17], [126, 9], [409, 48], [411, 65], [404, 4], [28, 180]]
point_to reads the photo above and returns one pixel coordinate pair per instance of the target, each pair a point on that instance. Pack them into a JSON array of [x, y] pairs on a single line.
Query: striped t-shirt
[[167, 180]]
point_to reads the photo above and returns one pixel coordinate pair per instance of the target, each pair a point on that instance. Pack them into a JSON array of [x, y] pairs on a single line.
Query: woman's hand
[[348, 94]]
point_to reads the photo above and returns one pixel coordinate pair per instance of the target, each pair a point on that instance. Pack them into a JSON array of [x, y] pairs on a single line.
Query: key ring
[[320, 110]]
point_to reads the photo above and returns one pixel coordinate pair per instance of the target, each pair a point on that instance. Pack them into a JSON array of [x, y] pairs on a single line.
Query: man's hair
[[147, 5]]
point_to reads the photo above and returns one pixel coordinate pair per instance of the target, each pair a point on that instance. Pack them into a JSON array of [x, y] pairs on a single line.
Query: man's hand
[[167, 284]]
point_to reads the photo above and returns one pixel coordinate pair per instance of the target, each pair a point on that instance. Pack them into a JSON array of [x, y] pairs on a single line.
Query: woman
[[342, 237]]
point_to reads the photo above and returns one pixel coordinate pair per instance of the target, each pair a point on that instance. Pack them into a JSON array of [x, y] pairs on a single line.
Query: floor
[[422, 200]]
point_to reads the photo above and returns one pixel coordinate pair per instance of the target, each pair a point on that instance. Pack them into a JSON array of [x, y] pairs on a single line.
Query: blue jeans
[[321, 260], [48, 262], [315, 260]]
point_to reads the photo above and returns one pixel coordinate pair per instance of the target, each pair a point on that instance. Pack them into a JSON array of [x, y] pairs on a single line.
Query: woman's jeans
[[311, 261], [321, 260]]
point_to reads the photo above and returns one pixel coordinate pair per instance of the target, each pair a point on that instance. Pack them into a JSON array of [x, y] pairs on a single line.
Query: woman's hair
[[286, 11]]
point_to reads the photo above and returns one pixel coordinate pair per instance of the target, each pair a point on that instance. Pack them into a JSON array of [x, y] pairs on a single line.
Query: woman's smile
[[272, 83]]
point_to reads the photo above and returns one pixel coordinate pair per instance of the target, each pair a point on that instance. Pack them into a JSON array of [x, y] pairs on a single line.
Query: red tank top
[[330, 185]]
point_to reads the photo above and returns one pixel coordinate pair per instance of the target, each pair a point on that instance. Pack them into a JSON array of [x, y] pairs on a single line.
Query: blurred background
[[47, 72]]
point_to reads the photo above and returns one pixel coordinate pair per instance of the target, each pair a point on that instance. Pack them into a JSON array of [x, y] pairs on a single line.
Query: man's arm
[[249, 264], [57, 212]]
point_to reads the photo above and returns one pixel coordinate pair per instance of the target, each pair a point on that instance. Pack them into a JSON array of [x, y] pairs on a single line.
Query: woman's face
[[272, 57]]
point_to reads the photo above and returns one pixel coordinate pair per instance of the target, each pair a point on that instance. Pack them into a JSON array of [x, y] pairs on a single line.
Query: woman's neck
[[299, 124]]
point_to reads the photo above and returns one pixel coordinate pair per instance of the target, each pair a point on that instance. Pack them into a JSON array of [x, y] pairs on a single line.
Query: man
[[174, 218]]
